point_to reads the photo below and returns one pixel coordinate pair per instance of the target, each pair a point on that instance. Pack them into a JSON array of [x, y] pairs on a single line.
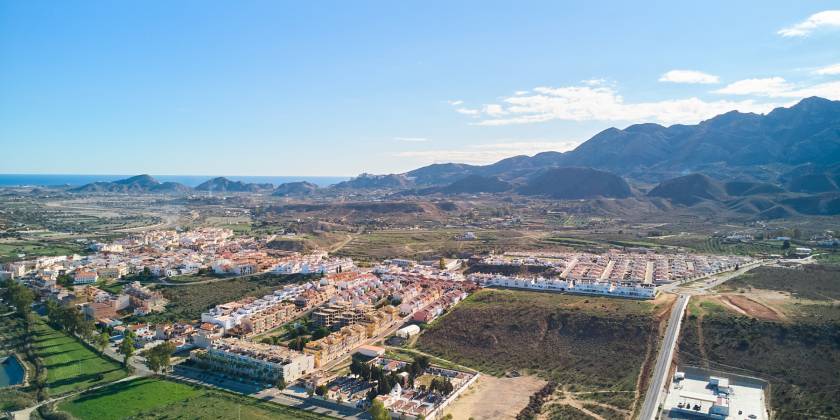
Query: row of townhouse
[[318, 262], [251, 315], [447, 300], [623, 289], [263, 362], [640, 265]]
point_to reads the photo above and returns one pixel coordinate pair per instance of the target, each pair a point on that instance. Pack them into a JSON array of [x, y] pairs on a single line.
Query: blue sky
[[339, 88]]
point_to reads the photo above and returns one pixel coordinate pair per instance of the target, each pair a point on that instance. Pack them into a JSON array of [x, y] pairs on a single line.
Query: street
[[663, 360]]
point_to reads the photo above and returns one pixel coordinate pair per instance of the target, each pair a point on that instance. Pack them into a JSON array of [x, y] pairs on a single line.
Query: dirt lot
[[494, 398], [749, 307]]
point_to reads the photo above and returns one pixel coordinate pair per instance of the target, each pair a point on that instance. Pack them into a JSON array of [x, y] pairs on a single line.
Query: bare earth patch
[[749, 307], [495, 398]]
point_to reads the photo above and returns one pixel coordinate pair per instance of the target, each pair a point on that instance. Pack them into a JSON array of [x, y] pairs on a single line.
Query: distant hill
[[813, 183], [575, 183], [471, 184], [301, 188], [746, 188], [731, 145], [139, 184], [689, 190], [368, 182], [222, 184]]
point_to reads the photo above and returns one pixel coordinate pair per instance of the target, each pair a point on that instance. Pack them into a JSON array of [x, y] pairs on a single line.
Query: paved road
[[663, 360]]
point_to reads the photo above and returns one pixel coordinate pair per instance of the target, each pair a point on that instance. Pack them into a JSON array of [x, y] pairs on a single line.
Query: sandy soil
[[749, 307], [495, 398]]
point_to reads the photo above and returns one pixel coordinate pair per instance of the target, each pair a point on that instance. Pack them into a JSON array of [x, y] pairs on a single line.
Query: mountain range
[[732, 145], [135, 185], [783, 163]]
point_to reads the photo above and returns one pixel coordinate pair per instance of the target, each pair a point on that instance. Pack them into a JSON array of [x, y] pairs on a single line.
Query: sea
[[12, 180]]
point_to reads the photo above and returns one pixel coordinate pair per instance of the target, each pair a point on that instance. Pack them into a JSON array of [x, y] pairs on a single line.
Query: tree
[[20, 297], [321, 390], [158, 358], [64, 280], [127, 349], [422, 361], [442, 264], [281, 384], [101, 341], [378, 412], [320, 332], [786, 244]]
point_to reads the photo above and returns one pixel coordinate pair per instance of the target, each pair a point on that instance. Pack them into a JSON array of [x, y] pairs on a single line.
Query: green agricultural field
[[154, 398], [70, 365], [9, 250], [707, 245], [829, 257]]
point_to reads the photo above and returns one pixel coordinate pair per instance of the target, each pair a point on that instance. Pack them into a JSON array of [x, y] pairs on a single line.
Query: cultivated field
[[10, 249], [70, 365], [152, 398]]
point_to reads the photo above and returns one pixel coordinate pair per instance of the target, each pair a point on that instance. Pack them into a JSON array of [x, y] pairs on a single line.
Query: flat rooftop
[[746, 395]]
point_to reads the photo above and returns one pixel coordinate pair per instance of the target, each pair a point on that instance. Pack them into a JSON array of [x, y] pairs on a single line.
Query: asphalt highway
[[663, 360]]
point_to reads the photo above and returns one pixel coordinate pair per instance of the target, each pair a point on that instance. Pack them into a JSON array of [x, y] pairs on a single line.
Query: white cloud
[[468, 111], [520, 92], [483, 154], [455, 102], [824, 19], [769, 86], [603, 103], [828, 90], [831, 70], [689, 76], [777, 87], [594, 82], [493, 110], [412, 139]]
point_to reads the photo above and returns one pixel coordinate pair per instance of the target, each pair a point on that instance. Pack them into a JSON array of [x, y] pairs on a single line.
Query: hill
[[471, 184], [134, 185], [295, 188], [813, 183], [746, 188], [731, 145], [222, 184], [369, 182], [575, 183], [689, 190]]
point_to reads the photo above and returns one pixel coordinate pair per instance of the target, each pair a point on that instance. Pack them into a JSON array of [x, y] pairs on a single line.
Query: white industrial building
[[697, 394]]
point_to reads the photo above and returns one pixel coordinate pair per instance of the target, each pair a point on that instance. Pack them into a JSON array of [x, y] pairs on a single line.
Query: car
[[752, 416]]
